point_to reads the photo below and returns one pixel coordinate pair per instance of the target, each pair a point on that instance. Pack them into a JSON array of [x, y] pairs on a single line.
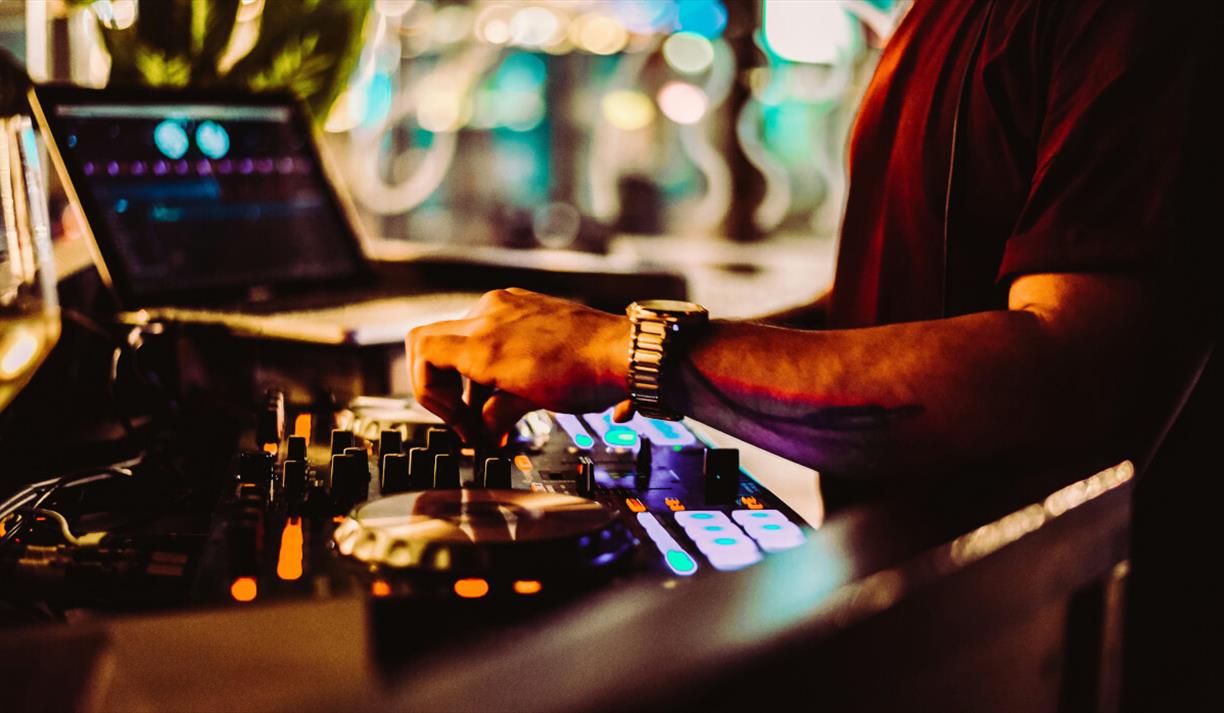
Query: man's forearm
[[880, 399], [813, 315]]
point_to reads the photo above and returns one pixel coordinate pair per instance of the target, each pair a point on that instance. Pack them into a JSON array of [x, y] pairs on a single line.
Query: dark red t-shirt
[[1076, 144], [1091, 142]]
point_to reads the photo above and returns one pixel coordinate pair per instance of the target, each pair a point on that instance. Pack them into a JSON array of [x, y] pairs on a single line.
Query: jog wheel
[[475, 542]]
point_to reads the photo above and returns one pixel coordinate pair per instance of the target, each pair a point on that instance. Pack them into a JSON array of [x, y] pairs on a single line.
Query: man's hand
[[519, 351]]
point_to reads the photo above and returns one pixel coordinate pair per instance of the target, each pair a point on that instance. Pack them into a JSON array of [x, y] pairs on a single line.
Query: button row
[[768, 528], [724, 544]]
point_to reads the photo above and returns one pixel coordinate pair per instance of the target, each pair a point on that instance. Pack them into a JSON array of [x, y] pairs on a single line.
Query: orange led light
[[527, 586], [635, 505], [380, 588], [301, 425], [271, 448], [674, 504], [751, 503], [471, 588], [244, 589], [522, 462], [338, 519], [289, 562]]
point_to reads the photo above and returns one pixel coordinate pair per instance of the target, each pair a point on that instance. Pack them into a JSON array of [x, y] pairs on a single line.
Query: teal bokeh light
[[707, 18], [171, 139], [212, 139]]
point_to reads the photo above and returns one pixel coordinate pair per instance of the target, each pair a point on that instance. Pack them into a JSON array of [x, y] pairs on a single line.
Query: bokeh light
[[811, 32], [628, 110], [493, 24], [707, 18], [440, 103], [451, 24], [647, 16], [535, 26], [212, 139], [682, 102], [115, 14], [688, 52], [599, 34], [171, 139]]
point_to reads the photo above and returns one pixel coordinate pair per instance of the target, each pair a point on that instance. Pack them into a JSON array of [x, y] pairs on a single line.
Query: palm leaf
[[306, 46]]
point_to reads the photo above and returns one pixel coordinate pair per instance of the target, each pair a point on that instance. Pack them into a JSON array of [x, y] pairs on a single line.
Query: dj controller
[[379, 499]]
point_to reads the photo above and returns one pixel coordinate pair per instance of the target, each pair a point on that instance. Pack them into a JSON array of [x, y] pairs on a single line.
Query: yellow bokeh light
[[21, 348], [600, 34], [628, 110]]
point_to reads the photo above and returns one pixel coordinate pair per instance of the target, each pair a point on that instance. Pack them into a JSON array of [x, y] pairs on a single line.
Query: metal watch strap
[[654, 333]]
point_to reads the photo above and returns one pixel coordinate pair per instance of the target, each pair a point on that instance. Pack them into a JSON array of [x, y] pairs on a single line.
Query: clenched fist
[[519, 351]]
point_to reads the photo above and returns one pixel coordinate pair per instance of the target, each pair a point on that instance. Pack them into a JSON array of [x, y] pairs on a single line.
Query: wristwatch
[[661, 329]]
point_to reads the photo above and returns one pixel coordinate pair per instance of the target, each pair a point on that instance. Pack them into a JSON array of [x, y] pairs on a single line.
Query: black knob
[[388, 442], [265, 427], [441, 440], [722, 475], [243, 536], [420, 469], [394, 473], [294, 480], [350, 480], [255, 468], [242, 542], [270, 421], [644, 461], [341, 440], [296, 449], [446, 471], [584, 476], [497, 473]]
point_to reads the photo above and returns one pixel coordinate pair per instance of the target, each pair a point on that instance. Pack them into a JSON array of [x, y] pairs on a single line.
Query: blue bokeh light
[[704, 17], [212, 139], [171, 139]]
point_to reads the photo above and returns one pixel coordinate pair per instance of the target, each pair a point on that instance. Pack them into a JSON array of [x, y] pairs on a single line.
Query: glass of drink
[[29, 307]]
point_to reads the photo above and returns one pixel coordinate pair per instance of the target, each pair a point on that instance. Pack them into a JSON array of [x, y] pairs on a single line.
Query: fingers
[[437, 381], [502, 410], [623, 411]]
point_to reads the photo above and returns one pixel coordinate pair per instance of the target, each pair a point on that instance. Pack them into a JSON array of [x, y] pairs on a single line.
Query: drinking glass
[[29, 307]]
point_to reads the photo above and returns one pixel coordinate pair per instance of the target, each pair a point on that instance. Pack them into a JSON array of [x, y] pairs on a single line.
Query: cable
[[39, 492], [65, 529]]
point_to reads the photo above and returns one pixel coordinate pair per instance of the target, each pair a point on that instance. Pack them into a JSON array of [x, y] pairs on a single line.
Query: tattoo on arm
[[867, 417]]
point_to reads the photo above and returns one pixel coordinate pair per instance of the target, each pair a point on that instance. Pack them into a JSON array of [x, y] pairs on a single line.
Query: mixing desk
[[391, 501]]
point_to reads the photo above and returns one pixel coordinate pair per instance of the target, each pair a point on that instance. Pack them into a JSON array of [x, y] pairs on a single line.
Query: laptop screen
[[191, 197]]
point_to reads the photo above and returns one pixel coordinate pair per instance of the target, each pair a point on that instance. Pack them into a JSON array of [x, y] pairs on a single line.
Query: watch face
[[672, 307]]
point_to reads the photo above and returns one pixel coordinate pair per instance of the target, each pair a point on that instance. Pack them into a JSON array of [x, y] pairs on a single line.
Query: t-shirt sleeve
[[1123, 152]]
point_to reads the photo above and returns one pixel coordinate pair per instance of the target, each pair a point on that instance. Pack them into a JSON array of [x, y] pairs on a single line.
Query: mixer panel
[[381, 497]]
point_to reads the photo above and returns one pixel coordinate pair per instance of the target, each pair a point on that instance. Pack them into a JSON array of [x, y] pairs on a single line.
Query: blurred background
[[704, 133]]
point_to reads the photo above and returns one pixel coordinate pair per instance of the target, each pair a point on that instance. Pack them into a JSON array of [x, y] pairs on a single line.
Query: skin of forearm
[[875, 400], [813, 315]]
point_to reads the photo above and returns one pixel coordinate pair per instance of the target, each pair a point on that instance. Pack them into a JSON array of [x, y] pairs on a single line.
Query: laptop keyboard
[[379, 321]]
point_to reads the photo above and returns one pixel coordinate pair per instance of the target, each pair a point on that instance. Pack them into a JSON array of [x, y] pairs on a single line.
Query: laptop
[[218, 208]]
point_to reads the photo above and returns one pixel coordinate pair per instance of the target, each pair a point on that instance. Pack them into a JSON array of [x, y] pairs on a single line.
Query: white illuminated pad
[[747, 518], [677, 559], [728, 553], [711, 531], [775, 536], [686, 518]]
